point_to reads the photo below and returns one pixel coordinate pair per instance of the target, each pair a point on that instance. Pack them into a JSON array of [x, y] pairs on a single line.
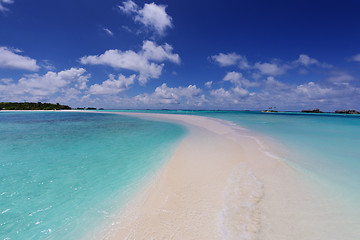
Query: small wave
[[247, 133], [240, 216]]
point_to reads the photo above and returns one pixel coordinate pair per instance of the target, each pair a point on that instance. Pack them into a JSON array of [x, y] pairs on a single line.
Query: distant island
[[316, 110], [31, 106], [346, 111]]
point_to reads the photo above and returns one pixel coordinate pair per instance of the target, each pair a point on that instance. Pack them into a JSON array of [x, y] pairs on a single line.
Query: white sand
[[222, 184]]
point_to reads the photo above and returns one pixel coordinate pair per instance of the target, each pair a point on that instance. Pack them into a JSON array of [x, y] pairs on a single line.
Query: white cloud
[[270, 68], [2, 7], [112, 85], [220, 93], [126, 60], [9, 58], [108, 31], [273, 84], [313, 91], [356, 58], [308, 95], [274, 68], [208, 84], [152, 16], [243, 63], [141, 62], [237, 79], [306, 60], [7, 81], [340, 77], [47, 84], [339, 90], [47, 64], [226, 59], [231, 59], [229, 97], [159, 53], [128, 7], [233, 77], [164, 95]]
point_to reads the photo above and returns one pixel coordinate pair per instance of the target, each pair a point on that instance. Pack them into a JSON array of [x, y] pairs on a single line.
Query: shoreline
[[223, 183], [219, 184], [186, 200], [226, 182]]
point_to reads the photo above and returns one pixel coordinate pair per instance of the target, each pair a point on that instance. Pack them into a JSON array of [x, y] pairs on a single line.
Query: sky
[[182, 54]]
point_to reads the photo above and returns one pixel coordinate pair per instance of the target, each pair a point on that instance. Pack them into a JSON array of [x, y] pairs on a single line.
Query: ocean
[[323, 148], [64, 175], [63, 171]]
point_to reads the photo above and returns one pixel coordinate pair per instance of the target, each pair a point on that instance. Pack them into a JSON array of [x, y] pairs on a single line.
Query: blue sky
[[182, 54]]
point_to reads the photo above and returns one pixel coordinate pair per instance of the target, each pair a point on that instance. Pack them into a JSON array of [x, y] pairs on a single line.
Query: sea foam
[[240, 216]]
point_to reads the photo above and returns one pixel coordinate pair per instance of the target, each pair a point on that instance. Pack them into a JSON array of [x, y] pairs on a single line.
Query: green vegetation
[[31, 106]]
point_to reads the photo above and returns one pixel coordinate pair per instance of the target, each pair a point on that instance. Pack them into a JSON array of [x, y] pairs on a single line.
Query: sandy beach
[[223, 183]]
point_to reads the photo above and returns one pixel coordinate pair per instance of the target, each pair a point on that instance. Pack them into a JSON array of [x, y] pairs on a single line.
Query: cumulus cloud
[[328, 95], [142, 62], [47, 84], [273, 84], [221, 93], [233, 77], [236, 93], [275, 67], [265, 68], [5, 2], [231, 59], [129, 7], [270, 68], [306, 60], [112, 85], [208, 84], [9, 58], [237, 79], [229, 97], [164, 95], [152, 16], [224, 60], [159, 53], [313, 91]]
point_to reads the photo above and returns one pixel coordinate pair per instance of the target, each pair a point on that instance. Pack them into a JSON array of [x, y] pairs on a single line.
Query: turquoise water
[[64, 173], [326, 147]]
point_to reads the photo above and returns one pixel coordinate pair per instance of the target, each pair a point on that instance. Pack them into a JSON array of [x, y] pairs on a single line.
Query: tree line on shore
[[31, 106]]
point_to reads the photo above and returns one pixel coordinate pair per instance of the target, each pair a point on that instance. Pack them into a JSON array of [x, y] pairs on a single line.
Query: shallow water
[[324, 149], [63, 174], [325, 146]]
